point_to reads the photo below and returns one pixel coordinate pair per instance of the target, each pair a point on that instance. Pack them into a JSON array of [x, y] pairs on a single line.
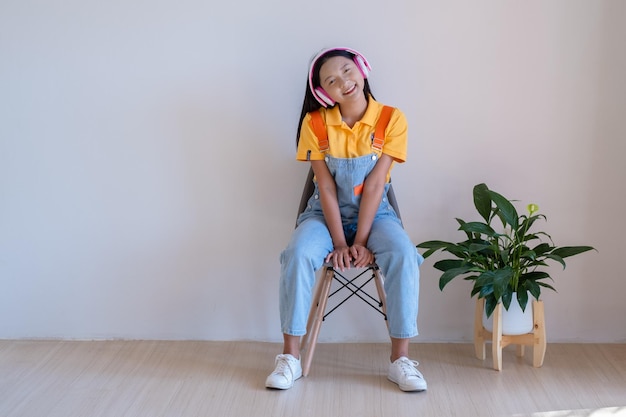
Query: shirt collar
[[333, 115]]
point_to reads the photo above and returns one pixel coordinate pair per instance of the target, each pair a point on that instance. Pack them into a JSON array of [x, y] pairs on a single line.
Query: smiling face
[[342, 80]]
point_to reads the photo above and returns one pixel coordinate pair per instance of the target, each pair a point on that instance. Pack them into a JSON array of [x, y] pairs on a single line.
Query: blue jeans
[[310, 243]]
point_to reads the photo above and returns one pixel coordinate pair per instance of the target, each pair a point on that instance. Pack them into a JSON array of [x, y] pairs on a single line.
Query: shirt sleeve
[[396, 136], [308, 146]]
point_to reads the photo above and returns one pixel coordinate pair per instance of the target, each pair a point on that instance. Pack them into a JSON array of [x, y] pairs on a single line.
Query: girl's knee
[[296, 253]]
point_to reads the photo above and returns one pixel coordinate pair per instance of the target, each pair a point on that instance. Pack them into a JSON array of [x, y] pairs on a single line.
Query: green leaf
[[447, 264], [506, 299], [450, 274], [482, 201], [478, 247], [522, 299], [490, 305], [534, 276], [498, 278], [542, 248], [470, 277], [457, 249], [484, 291], [507, 210], [533, 288], [556, 258], [478, 227], [528, 222], [567, 251], [528, 254], [545, 285], [428, 253], [433, 246], [461, 222]]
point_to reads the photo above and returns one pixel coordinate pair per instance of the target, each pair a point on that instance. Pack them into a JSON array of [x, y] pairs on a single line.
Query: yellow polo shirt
[[346, 142]]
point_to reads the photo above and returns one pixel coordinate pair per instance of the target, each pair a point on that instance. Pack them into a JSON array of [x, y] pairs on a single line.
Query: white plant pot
[[514, 320]]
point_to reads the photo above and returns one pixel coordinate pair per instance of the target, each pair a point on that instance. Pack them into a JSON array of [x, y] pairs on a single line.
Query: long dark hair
[[310, 102]]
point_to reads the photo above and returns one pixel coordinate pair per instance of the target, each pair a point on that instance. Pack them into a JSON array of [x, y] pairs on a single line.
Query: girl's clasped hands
[[344, 257]]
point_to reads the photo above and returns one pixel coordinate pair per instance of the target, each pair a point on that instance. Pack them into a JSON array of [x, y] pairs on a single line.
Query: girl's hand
[[361, 256], [340, 257]]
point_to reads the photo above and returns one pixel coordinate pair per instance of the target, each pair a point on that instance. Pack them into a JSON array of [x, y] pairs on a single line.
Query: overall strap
[[319, 128], [378, 137]]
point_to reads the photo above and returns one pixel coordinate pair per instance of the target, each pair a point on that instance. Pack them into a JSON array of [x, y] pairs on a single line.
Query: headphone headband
[[320, 95]]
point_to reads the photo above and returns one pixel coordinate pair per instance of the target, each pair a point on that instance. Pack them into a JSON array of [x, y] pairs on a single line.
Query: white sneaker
[[404, 373], [288, 369]]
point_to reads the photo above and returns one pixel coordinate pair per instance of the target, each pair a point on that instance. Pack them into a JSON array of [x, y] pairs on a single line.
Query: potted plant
[[503, 262]]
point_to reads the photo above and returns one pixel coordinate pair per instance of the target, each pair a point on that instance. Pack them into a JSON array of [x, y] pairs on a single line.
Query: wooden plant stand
[[536, 339]]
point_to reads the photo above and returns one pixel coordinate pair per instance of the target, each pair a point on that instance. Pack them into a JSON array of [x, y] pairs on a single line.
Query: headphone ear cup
[[361, 65], [324, 96]]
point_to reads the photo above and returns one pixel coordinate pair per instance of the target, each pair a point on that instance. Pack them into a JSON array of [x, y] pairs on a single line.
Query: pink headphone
[[318, 92]]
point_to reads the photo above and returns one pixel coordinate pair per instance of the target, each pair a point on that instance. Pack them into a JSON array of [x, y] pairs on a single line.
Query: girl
[[347, 221]]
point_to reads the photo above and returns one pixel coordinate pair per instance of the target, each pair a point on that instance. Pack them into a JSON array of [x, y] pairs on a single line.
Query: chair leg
[[316, 321], [314, 305], [382, 296]]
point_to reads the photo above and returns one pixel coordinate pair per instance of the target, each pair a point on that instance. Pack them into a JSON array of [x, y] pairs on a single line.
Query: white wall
[[147, 172]]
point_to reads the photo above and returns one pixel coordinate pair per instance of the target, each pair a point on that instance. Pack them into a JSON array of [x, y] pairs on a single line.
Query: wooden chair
[[352, 286], [536, 339]]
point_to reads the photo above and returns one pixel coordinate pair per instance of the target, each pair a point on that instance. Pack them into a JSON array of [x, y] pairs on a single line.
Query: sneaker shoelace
[[282, 367], [409, 367]]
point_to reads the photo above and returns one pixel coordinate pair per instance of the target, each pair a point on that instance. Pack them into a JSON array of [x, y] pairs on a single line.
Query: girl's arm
[[373, 189], [340, 256]]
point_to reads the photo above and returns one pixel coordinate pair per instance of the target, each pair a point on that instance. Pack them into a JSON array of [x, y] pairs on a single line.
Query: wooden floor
[[167, 378]]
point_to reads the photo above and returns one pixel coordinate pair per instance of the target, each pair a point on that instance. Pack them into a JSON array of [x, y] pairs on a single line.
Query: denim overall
[[311, 242]]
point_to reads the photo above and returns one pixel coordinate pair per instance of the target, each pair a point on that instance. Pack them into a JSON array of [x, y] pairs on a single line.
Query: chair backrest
[[307, 192], [309, 188]]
